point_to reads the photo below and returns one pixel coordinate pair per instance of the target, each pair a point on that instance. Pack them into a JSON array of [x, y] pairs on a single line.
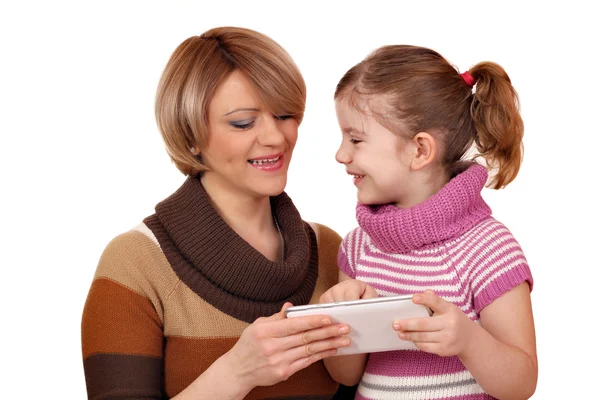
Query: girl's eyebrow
[[352, 131]]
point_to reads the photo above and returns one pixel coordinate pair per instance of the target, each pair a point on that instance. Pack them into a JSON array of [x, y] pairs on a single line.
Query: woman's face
[[249, 148]]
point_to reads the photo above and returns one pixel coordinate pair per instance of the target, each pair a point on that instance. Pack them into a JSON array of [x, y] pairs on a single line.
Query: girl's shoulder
[[491, 260]]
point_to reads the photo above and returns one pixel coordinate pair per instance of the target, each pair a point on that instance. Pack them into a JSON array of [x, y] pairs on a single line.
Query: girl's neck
[[426, 183]]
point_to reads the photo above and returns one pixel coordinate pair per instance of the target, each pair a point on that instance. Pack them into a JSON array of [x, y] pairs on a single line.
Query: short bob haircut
[[196, 69]]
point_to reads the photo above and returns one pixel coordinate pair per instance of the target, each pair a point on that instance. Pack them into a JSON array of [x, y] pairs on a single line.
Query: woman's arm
[[123, 338], [347, 370], [217, 382], [500, 354], [269, 351]]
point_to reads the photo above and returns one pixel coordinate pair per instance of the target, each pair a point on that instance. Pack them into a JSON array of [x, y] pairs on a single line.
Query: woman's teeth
[[264, 161]]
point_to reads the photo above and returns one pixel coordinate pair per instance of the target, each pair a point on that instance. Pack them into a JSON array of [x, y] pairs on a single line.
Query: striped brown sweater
[[175, 293]]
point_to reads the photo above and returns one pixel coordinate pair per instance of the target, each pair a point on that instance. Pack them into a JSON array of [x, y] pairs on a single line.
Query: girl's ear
[[425, 150]]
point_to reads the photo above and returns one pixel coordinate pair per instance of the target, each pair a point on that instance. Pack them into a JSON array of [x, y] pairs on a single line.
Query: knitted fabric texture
[[173, 295], [220, 266], [450, 244], [455, 209]]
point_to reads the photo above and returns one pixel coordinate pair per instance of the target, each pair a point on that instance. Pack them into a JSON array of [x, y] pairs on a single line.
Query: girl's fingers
[[420, 337], [326, 297], [429, 324], [428, 347], [430, 299]]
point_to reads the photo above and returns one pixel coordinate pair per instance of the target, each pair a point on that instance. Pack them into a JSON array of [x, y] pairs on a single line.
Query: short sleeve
[[498, 266], [348, 252]]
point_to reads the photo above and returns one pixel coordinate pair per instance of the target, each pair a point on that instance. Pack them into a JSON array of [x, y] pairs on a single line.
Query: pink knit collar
[[455, 209]]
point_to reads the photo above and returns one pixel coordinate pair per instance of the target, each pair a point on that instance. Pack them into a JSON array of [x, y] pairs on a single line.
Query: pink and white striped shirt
[[450, 244]]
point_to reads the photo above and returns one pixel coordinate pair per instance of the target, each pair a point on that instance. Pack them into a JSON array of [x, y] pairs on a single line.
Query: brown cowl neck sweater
[[174, 294], [222, 268]]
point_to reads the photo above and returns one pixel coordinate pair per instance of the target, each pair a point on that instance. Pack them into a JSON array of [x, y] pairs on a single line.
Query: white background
[[82, 161]]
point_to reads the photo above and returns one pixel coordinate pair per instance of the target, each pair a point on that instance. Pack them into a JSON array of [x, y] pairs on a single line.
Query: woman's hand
[[274, 348], [446, 333], [350, 289]]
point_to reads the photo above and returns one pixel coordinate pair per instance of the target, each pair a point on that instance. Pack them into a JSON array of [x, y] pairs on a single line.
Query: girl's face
[[249, 149], [377, 159]]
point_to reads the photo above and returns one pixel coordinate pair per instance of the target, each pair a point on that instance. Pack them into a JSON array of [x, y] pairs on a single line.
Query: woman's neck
[[242, 212]]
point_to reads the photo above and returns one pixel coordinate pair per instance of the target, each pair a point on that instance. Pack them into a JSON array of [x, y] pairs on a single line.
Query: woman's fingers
[[313, 335], [304, 362], [320, 346], [291, 326]]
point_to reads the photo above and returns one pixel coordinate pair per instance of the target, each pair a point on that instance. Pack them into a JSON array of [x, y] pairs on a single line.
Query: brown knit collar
[[221, 267]]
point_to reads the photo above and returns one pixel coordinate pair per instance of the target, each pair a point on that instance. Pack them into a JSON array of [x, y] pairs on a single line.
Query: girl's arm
[[347, 370], [500, 354]]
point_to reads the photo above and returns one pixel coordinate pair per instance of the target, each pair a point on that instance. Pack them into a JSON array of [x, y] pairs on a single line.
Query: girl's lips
[[356, 178]]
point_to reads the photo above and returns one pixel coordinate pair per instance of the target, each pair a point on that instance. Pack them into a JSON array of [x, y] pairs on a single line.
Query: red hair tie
[[468, 78]]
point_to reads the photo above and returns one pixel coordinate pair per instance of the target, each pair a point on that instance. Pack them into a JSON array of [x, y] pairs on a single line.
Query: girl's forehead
[[365, 104]]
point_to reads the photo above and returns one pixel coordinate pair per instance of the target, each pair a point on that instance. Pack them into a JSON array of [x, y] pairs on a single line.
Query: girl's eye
[[245, 124], [283, 117], [355, 141]]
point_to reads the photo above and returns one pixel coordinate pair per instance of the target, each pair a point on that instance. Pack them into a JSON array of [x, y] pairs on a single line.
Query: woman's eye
[[354, 141], [245, 124], [283, 117]]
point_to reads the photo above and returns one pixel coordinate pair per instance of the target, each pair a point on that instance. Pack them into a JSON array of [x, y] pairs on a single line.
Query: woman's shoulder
[[325, 235], [135, 260], [328, 244]]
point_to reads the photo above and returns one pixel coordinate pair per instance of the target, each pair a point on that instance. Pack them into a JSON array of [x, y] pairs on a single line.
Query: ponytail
[[495, 111]]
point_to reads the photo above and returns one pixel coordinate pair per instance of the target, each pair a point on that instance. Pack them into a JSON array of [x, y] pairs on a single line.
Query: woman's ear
[[425, 150]]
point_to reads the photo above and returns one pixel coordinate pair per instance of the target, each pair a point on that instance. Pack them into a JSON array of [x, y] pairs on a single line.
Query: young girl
[[409, 121]]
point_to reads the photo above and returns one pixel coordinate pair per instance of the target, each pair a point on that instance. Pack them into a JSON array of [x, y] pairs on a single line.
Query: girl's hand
[[350, 289], [274, 348], [446, 333]]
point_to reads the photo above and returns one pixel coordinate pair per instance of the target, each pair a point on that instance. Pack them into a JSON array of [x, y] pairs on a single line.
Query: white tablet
[[370, 321]]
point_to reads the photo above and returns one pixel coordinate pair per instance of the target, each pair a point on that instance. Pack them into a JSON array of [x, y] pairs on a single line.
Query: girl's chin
[[370, 200]]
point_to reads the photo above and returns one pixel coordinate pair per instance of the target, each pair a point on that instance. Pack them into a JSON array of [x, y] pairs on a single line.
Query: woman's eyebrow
[[240, 109]]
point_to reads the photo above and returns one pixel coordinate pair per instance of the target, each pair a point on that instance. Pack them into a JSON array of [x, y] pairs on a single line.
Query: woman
[[190, 303]]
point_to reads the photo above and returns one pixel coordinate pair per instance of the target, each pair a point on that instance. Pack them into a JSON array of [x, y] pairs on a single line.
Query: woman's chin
[[272, 188]]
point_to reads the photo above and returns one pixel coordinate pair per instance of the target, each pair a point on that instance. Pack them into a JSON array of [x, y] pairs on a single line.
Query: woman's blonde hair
[[195, 70]]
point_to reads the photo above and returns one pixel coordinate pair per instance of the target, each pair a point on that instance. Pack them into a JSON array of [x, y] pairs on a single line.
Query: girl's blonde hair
[[424, 93]]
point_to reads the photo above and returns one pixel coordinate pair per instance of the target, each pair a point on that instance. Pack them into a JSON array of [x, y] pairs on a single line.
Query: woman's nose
[[271, 134]]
